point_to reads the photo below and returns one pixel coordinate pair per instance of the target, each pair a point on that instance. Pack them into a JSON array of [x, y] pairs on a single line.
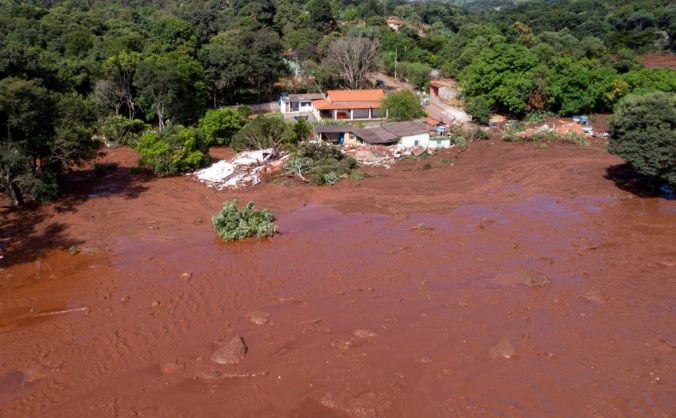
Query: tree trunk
[[15, 195]]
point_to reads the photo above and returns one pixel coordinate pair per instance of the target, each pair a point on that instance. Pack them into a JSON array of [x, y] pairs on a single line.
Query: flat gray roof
[[405, 128], [306, 96]]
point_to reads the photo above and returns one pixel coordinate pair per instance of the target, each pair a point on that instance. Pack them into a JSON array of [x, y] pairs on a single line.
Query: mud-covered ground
[[505, 280]]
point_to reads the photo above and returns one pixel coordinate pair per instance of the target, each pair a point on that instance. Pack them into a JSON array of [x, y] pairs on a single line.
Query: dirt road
[[506, 280]]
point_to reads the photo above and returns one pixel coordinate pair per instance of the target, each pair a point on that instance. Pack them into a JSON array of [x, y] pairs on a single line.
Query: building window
[[416, 142]]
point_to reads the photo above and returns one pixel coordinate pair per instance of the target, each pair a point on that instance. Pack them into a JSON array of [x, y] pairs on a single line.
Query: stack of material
[[246, 169]]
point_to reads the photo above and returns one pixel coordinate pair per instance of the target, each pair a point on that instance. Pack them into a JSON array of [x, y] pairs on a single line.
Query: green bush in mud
[[233, 224]]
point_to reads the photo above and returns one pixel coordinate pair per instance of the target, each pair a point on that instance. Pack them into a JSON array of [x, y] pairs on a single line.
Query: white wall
[[410, 141], [440, 143]]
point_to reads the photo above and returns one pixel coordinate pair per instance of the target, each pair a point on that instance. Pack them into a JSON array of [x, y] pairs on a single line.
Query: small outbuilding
[[411, 134], [442, 89]]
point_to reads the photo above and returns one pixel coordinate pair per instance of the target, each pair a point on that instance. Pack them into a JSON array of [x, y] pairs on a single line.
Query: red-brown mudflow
[[507, 280]]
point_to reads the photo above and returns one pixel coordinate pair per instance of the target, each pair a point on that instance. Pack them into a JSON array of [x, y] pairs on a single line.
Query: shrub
[[329, 170], [232, 223], [120, 130], [220, 125], [326, 164], [174, 150], [319, 151], [643, 132]]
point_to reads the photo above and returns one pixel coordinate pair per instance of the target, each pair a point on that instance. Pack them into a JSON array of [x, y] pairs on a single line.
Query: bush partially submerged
[[234, 224], [325, 164]]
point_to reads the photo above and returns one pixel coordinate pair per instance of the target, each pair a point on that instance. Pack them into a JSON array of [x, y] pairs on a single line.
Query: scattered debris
[[246, 169], [61, 312], [219, 374], [171, 367], [370, 154], [503, 349], [341, 345], [417, 151], [365, 333], [538, 280], [231, 353]]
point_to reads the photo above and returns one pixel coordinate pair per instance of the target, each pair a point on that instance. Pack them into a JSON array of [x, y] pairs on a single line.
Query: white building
[[298, 103], [411, 134], [403, 134]]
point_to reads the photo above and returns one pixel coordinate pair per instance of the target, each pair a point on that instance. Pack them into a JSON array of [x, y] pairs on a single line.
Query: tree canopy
[[643, 132]]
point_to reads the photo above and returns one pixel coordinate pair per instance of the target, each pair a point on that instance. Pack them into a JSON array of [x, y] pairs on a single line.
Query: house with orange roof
[[350, 105]]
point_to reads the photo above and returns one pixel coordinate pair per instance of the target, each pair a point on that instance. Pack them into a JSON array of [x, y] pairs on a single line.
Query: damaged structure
[[401, 134]]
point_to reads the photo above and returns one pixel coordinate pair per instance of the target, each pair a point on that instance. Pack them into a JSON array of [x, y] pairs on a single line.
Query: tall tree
[[643, 132], [321, 16], [171, 88], [41, 133], [355, 57]]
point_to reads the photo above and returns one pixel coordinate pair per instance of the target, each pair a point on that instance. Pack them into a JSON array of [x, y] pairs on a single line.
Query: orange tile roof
[[372, 95], [326, 105]]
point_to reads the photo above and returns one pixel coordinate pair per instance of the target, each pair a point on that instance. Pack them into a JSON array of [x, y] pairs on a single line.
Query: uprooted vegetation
[[321, 164], [233, 224]]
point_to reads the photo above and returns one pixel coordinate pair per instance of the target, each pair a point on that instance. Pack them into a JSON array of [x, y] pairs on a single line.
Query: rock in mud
[[503, 349], [538, 280], [171, 367], [259, 318], [365, 333], [231, 353], [186, 276]]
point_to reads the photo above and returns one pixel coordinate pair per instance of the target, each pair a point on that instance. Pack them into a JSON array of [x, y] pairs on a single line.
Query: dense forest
[[145, 72]]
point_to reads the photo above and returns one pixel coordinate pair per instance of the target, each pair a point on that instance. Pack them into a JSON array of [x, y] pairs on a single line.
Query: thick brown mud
[[508, 280]]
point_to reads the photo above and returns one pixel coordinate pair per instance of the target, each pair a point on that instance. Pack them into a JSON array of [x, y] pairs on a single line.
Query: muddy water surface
[[546, 305]]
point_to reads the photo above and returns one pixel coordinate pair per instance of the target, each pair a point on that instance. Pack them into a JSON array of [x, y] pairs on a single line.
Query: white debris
[[246, 169]]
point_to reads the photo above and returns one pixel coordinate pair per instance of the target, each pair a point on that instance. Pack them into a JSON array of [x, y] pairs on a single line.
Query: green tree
[[479, 108], [504, 75], [171, 88], [120, 130], [171, 34], [261, 133], [321, 16], [220, 125], [403, 106], [643, 132], [173, 150], [41, 134]]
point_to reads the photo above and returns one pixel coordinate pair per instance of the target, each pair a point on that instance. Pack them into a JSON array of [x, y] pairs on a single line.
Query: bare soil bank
[[507, 280]]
